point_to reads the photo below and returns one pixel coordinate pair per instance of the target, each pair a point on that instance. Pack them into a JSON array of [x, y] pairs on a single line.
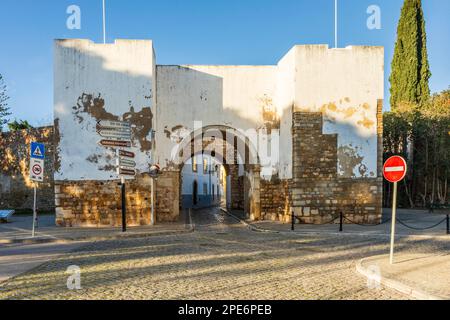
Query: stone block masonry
[[316, 193], [16, 188], [99, 204]]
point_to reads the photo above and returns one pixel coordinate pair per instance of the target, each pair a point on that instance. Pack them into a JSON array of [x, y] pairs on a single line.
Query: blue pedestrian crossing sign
[[37, 150]]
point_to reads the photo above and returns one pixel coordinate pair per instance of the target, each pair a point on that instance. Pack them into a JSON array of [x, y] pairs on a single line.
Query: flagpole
[[335, 23], [104, 22]]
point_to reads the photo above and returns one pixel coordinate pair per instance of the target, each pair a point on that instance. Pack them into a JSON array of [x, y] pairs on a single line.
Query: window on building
[[194, 164], [205, 165], [205, 189]]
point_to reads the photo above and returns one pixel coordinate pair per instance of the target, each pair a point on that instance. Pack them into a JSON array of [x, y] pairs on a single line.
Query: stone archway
[[234, 150]]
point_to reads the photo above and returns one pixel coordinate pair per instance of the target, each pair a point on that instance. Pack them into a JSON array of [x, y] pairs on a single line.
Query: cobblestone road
[[220, 260]]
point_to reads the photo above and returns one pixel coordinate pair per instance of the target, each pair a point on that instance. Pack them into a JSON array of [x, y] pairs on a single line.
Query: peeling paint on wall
[[351, 163], [269, 113], [96, 82]]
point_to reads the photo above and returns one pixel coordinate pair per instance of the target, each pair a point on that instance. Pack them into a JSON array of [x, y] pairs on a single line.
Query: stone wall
[[99, 203], [167, 195], [16, 188], [276, 200], [317, 194]]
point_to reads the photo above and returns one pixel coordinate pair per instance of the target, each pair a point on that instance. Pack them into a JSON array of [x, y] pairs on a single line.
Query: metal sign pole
[[124, 206], [34, 213], [335, 23], [104, 22], [394, 218], [152, 201]]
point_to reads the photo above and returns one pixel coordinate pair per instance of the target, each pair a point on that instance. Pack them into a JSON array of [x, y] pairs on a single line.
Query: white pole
[[152, 201], [335, 23], [394, 219], [34, 213], [104, 22]]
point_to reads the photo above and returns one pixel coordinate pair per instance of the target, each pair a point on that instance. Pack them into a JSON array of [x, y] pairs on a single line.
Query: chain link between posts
[[343, 217]]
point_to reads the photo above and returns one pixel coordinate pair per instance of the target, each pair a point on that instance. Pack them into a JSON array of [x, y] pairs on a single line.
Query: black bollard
[[448, 224], [341, 222], [293, 221], [124, 208]]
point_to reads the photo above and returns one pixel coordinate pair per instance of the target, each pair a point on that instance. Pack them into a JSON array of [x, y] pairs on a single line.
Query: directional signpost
[[394, 171], [117, 135], [155, 171], [37, 158]]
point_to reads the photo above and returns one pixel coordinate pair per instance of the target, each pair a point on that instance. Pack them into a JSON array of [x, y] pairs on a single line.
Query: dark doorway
[[195, 193]]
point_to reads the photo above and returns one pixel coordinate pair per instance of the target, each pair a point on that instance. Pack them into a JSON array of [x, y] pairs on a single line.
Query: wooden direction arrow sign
[[127, 163], [116, 143], [112, 134], [114, 124], [126, 154], [126, 172]]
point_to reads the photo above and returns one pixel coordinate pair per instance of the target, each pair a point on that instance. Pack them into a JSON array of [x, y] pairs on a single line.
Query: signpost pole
[[152, 201], [34, 213], [124, 206], [394, 219]]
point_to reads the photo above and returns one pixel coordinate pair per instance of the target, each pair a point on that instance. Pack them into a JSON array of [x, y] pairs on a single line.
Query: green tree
[[429, 128], [410, 68], [4, 109], [19, 125]]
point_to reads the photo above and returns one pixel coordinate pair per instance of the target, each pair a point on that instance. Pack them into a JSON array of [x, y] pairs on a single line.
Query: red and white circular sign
[[394, 169], [37, 170]]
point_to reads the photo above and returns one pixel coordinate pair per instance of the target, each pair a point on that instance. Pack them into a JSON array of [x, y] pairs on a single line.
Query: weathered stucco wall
[[345, 85], [338, 90], [240, 97], [101, 82]]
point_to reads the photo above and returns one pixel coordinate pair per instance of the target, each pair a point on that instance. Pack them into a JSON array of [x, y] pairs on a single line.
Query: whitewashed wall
[[232, 96], [345, 84], [122, 74]]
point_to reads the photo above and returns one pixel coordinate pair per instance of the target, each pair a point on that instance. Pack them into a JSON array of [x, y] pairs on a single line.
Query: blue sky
[[198, 32]]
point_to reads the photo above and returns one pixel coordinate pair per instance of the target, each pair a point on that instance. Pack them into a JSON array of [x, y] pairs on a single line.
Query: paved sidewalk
[[18, 231], [420, 275], [413, 218]]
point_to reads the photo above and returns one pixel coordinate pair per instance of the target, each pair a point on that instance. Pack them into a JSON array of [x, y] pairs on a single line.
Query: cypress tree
[[410, 68]]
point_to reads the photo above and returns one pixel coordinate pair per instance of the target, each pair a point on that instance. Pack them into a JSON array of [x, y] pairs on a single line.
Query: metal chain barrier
[[367, 225], [342, 217], [421, 229]]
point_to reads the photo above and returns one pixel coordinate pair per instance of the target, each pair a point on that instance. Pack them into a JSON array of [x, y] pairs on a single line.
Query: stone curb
[[29, 241], [397, 285], [248, 225]]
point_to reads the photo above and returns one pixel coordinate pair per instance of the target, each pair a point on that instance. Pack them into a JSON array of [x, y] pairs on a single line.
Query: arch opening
[[226, 167]]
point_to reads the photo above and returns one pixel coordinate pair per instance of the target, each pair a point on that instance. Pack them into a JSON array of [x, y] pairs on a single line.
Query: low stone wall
[[99, 203], [16, 188]]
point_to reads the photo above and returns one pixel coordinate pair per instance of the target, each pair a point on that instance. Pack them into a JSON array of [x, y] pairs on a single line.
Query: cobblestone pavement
[[221, 260]]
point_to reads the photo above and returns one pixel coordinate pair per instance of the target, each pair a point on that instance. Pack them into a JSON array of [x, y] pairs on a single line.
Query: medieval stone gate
[[306, 133]]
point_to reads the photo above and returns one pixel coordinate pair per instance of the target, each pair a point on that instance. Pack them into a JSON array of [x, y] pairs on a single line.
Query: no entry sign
[[395, 169]]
